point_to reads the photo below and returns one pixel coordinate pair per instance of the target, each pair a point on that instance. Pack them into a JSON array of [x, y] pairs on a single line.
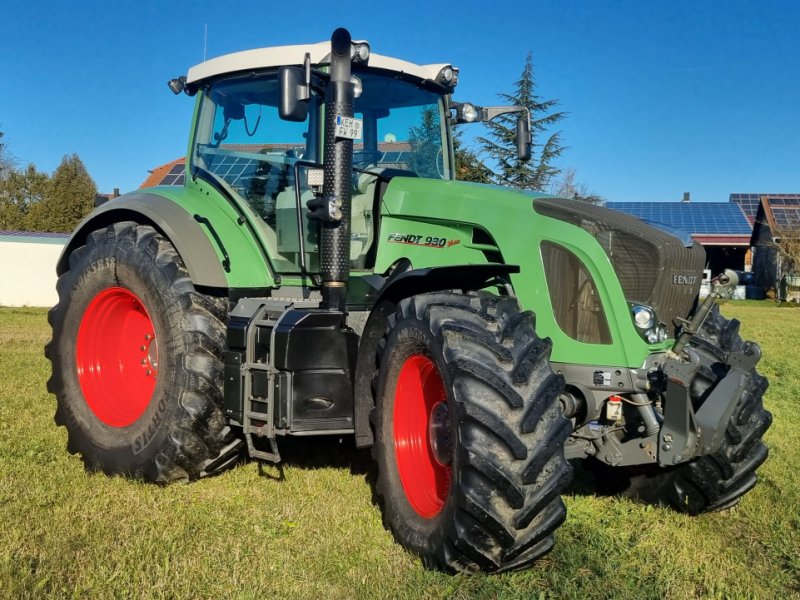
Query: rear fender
[[187, 235]]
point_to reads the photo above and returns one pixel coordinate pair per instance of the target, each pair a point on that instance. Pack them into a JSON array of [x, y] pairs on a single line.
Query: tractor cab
[[241, 142]]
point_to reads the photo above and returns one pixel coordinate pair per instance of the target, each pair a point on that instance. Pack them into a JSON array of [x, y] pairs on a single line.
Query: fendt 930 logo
[[684, 279], [419, 240]]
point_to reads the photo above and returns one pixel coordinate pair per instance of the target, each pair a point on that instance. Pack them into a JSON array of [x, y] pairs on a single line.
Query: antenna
[[205, 40]]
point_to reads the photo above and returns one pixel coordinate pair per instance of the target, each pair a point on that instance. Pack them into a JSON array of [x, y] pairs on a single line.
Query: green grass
[[316, 533]]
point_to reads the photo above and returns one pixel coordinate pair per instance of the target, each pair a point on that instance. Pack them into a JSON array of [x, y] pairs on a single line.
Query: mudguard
[[404, 285], [180, 227]]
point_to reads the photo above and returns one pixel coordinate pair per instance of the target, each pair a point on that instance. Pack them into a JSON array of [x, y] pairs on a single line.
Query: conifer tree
[[501, 144]]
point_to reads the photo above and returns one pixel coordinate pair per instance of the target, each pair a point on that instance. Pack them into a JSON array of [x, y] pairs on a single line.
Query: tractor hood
[[629, 261]]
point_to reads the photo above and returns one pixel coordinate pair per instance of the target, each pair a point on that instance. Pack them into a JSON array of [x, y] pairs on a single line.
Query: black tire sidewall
[[423, 535], [127, 265]]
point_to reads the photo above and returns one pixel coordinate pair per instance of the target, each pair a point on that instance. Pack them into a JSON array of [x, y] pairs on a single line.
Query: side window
[[574, 296]]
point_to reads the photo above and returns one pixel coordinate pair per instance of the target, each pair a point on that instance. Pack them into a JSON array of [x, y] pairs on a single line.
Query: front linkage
[[690, 435]]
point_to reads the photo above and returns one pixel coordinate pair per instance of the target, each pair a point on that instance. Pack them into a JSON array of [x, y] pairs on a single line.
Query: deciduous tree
[[68, 198], [469, 166], [20, 191], [567, 186]]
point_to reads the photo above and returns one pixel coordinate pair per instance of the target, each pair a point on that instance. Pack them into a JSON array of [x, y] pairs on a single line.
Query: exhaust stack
[[338, 160]]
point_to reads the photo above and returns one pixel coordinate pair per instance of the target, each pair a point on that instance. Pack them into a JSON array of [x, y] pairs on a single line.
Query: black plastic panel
[[653, 266]]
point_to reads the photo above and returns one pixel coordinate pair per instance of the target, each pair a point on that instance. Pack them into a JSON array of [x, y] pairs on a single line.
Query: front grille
[[653, 267]]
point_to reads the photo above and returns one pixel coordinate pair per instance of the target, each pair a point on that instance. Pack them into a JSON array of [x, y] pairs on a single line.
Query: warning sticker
[[602, 378]]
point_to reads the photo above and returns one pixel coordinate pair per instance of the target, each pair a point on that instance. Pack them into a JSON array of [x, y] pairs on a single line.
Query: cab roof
[[279, 56]]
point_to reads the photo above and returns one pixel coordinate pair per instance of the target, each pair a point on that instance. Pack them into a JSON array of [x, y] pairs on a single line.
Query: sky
[[663, 97]]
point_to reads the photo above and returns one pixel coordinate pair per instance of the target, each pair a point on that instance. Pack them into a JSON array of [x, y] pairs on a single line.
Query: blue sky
[[663, 97]]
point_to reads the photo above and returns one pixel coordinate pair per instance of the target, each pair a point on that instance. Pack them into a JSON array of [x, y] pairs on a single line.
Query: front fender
[[404, 285]]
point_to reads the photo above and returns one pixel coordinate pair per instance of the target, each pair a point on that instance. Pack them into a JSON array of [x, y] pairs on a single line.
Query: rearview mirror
[[523, 137], [295, 92]]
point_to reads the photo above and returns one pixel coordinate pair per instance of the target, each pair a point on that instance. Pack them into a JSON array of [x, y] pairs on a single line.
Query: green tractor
[[321, 272]]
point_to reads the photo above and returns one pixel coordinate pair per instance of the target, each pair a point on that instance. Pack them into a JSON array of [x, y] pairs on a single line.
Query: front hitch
[[703, 388]]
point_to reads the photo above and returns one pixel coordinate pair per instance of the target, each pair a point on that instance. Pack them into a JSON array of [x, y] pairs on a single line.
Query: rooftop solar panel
[[715, 218]]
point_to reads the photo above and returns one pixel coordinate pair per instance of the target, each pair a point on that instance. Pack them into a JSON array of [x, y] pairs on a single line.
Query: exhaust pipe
[[338, 160]]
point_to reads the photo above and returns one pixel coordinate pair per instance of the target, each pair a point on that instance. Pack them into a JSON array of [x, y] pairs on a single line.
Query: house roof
[[710, 223], [172, 173], [777, 212], [34, 236], [168, 174], [750, 202]]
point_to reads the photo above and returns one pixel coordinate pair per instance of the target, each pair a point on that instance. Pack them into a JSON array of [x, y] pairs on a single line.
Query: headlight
[[357, 87], [646, 322], [643, 316], [359, 52], [469, 113]]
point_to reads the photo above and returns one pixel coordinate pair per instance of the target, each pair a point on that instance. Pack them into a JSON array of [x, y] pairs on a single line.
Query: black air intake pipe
[[338, 160]]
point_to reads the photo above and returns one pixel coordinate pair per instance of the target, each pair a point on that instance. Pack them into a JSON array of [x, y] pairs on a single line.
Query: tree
[[566, 186], [787, 242], [426, 144], [20, 191], [469, 166], [68, 198], [501, 144], [6, 160]]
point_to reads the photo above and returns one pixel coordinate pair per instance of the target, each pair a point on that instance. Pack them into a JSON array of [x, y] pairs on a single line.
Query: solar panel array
[[784, 207], [720, 218], [785, 211], [748, 203], [174, 176], [233, 168]]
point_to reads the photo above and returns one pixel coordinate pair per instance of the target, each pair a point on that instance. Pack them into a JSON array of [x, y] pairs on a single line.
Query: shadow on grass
[[318, 452], [339, 452]]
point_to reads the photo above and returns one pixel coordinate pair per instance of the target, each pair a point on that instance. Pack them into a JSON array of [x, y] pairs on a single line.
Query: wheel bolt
[[148, 337], [141, 348], [144, 361]]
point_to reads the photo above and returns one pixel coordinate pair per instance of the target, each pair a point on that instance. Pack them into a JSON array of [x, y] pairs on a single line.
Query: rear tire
[[469, 433], [135, 357], [719, 480]]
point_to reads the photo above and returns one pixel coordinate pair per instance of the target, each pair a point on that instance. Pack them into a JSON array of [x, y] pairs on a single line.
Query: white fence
[[28, 268]]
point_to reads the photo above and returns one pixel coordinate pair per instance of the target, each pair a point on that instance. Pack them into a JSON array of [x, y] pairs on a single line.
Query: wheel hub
[[422, 438], [439, 435], [116, 356]]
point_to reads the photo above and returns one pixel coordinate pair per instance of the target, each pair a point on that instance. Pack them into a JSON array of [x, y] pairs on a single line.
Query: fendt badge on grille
[[684, 279]]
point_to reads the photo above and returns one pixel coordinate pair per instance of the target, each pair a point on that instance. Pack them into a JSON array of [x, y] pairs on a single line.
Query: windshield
[[243, 144]]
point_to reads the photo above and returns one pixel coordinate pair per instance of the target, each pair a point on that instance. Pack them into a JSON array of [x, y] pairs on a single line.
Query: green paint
[[247, 266], [430, 207]]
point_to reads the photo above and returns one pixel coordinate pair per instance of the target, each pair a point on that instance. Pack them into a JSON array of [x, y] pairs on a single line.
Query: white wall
[[28, 272]]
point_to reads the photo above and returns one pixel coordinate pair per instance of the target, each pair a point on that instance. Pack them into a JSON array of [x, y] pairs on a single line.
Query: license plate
[[348, 127]]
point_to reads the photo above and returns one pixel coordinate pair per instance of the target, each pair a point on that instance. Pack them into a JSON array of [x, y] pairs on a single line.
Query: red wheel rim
[[419, 396], [117, 357]]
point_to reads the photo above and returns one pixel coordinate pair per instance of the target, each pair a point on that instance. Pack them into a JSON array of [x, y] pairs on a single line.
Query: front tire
[[135, 357], [469, 433]]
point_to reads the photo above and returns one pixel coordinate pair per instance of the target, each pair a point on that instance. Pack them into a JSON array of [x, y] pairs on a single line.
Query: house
[[776, 224]]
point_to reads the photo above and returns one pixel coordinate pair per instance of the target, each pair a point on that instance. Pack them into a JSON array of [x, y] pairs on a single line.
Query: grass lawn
[[316, 533]]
